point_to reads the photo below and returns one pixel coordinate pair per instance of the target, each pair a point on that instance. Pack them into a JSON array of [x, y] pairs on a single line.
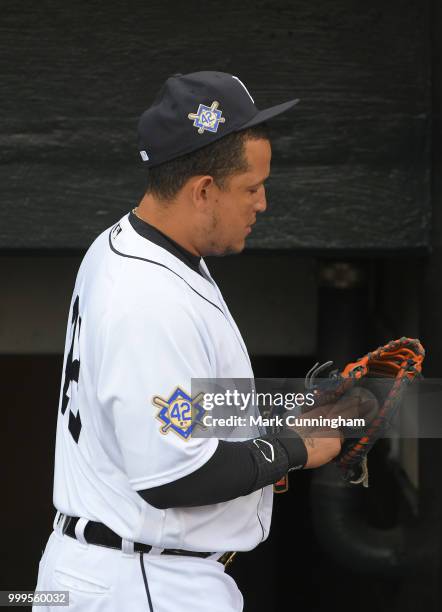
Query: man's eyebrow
[[260, 182]]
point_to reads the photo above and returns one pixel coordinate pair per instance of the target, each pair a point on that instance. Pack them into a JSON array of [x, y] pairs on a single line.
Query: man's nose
[[261, 204]]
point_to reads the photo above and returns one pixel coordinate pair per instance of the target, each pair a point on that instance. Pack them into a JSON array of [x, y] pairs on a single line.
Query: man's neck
[[172, 225], [156, 236]]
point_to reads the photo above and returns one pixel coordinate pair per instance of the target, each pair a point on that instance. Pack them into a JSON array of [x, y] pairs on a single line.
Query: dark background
[[347, 257]]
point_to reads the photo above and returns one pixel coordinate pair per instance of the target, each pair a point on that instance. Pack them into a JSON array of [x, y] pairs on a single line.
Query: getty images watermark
[[243, 408], [249, 405]]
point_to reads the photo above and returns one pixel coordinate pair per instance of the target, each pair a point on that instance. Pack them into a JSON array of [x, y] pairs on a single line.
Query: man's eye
[[253, 190]]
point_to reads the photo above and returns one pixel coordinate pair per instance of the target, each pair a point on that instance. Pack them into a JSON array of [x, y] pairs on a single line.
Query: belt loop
[[55, 525], [79, 530], [61, 521], [65, 523], [127, 548]]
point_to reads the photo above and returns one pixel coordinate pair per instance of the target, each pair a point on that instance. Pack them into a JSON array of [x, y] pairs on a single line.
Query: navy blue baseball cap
[[194, 110]]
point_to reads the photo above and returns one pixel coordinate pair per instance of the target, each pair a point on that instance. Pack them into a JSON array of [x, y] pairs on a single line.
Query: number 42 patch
[[180, 413]]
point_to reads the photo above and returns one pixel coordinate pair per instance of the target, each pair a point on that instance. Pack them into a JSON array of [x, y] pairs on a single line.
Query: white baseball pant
[[105, 579]]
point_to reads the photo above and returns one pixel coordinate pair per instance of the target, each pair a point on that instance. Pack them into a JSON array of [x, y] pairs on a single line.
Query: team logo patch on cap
[[180, 413], [207, 118]]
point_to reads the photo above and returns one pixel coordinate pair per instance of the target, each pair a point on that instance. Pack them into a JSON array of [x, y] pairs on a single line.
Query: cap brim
[[268, 113]]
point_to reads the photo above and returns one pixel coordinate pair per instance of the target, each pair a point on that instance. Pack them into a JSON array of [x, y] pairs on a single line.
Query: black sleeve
[[235, 469]]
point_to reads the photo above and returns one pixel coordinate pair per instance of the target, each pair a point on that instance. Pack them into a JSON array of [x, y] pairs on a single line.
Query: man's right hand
[[324, 443], [321, 450]]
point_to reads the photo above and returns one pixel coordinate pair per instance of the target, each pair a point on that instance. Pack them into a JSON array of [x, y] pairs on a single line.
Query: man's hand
[[321, 450], [324, 443]]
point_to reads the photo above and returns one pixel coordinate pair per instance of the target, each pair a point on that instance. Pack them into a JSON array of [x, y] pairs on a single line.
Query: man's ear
[[201, 189]]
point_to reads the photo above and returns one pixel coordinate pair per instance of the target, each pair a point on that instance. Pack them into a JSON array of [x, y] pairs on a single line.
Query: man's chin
[[235, 249], [232, 249]]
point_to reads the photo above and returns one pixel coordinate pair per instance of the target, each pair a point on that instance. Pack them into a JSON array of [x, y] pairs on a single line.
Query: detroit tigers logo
[[207, 118], [180, 413]]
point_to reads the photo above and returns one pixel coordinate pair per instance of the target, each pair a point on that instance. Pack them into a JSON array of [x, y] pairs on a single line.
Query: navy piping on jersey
[[157, 263], [146, 585], [259, 518]]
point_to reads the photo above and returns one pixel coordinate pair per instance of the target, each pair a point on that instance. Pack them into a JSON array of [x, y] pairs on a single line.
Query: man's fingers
[[347, 407], [352, 406], [368, 409]]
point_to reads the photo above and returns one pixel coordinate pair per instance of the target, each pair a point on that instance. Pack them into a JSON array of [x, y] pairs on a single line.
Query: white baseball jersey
[[141, 325]]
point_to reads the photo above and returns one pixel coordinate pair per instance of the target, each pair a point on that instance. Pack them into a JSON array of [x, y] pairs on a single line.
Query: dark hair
[[220, 160]]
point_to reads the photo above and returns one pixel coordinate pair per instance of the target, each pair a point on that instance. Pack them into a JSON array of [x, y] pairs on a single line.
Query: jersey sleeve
[[150, 356]]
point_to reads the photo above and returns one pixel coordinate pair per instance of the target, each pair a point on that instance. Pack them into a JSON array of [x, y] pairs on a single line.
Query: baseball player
[[147, 514]]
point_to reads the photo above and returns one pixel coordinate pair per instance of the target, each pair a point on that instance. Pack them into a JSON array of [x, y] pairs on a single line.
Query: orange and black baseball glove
[[385, 374]]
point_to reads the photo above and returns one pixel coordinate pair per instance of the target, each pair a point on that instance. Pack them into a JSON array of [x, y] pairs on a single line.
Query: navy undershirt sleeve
[[235, 469]]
